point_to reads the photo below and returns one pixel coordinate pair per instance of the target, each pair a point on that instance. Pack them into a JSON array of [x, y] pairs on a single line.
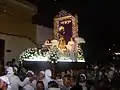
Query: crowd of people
[[93, 77]]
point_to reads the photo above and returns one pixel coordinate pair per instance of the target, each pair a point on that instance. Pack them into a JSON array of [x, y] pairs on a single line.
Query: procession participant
[[29, 78], [14, 80]]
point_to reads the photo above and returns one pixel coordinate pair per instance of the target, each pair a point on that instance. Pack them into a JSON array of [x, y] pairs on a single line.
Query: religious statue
[[62, 44], [47, 44], [55, 43], [61, 31], [71, 45]]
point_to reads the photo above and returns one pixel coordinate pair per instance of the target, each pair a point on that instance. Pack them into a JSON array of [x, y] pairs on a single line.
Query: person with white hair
[[48, 75], [14, 80], [4, 83]]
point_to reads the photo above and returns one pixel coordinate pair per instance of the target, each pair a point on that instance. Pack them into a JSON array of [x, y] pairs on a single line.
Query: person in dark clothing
[[53, 84], [77, 87], [14, 63], [104, 83]]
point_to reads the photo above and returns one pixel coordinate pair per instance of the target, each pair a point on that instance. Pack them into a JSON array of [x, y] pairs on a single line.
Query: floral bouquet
[[54, 54]]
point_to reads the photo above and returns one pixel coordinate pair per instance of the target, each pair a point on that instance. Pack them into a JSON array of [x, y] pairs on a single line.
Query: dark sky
[[95, 22]]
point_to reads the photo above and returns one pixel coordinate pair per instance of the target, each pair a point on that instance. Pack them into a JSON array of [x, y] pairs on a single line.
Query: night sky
[[95, 23]]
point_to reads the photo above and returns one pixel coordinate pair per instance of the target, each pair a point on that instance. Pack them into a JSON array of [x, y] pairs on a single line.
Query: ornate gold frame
[[74, 25]]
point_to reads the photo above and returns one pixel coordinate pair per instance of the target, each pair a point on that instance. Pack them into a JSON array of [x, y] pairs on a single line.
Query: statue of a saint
[[55, 43], [48, 44], [62, 44], [61, 31], [71, 45]]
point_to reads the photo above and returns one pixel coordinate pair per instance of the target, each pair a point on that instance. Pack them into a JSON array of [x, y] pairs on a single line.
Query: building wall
[[11, 25], [16, 19], [16, 45], [44, 33]]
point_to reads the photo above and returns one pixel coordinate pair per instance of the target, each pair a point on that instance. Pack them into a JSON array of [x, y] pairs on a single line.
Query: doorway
[[2, 47]]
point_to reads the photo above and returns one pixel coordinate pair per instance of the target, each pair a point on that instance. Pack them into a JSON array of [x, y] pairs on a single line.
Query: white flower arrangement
[[79, 40], [54, 54], [29, 53]]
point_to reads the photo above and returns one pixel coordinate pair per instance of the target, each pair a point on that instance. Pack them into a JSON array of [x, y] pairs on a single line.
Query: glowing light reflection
[[46, 60]]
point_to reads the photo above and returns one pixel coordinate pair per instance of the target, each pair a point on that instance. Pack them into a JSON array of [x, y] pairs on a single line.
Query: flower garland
[[27, 54]]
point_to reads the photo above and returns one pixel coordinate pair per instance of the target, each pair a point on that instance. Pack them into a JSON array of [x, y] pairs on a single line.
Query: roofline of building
[[25, 4]]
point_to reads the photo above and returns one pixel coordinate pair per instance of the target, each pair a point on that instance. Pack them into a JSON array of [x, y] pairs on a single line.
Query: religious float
[[66, 45]]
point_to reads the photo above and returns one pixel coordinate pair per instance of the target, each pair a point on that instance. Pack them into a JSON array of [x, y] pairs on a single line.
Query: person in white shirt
[[14, 80], [42, 78], [4, 83], [29, 79], [48, 75], [33, 83]]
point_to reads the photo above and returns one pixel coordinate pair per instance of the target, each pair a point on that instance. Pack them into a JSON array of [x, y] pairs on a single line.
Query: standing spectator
[[43, 79], [14, 63], [28, 80], [83, 81], [8, 64]]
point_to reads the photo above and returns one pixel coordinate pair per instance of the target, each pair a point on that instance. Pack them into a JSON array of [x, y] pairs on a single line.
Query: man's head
[[40, 85], [48, 73], [10, 70], [30, 73], [8, 63], [13, 60], [41, 74], [82, 77], [4, 82]]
